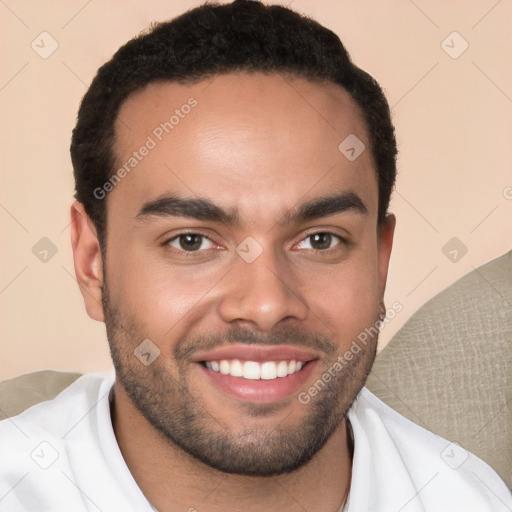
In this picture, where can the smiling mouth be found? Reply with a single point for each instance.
(256, 373)
(254, 370)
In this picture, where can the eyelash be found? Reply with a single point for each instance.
(320, 252)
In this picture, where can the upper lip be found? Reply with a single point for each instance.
(258, 353)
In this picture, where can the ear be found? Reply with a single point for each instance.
(386, 231)
(87, 260)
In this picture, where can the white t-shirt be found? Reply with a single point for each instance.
(62, 456)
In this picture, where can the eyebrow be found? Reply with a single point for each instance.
(204, 209)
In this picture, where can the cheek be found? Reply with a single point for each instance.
(345, 299)
(160, 295)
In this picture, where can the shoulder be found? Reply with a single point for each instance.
(407, 458)
(34, 444)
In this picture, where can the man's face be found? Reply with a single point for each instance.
(224, 295)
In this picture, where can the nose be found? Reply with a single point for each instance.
(262, 294)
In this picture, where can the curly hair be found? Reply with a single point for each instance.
(212, 39)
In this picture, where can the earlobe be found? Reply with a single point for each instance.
(87, 260)
(385, 244)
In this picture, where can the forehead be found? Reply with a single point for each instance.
(247, 140)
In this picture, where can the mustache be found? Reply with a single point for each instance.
(293, 336)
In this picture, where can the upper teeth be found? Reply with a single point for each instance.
(253, 370)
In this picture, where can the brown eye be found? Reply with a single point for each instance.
(189, 242)
(320, 241)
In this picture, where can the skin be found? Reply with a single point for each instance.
(260, 144)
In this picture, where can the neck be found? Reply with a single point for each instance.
(173, 480)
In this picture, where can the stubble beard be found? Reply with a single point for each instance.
(183, 419)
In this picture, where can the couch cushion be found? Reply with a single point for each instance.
(22, 392)
(449, 367)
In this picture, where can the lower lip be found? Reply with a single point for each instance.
(260, 390)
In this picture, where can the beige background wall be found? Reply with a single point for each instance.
(453, 119)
